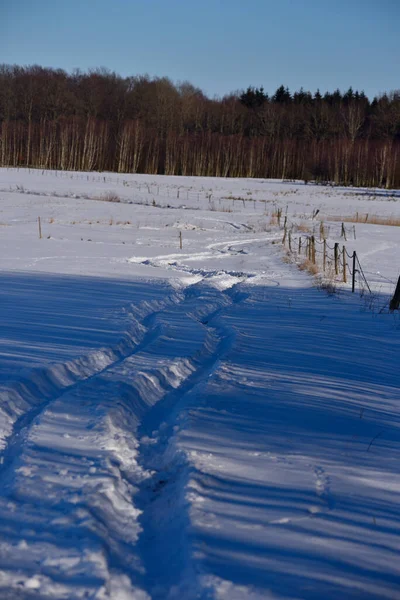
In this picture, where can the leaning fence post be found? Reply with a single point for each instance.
(344, 265)
(40, 228)
(324, 254)
(343, 235)
(290, 241)
(284, 236)
(353, 281)
(395, 301)
(337, 258)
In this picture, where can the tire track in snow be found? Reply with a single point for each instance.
(72, 478)
(164, 544)
(43, 386)
(167, 262)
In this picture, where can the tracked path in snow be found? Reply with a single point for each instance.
(25, 398)
(75, 480)
(163, 543)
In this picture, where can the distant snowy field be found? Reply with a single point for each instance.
(109, 238)
(196, 422)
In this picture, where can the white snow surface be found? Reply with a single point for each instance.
(204, 422)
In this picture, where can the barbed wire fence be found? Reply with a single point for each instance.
(320, 256)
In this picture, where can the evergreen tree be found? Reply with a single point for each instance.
(282, 95)
(253, 97)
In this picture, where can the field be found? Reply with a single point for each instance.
(186, 411)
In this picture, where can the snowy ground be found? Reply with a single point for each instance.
(202, 422)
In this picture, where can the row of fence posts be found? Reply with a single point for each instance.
(339, 256)
(307, 245)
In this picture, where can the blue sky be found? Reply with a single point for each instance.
(218, 45)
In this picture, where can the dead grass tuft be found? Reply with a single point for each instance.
(308, 265)
(304, 228)
(110, 197)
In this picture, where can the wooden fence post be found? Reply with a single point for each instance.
(40, 228)
(313, 249)
(324, 254)
(344, 265)
(336, 258)
(290, 241)
(343, 234)
(395, 301)
(180, 240)
(299, 246)
(353, 281)
(284, 235)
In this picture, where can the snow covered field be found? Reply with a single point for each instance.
(203, 422)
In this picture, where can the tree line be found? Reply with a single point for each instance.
(98, 120)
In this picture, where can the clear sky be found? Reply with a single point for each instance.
(218, 45)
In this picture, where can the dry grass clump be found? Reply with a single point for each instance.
(324, 281)
(110, 197)
(328, 286)
(303, 227)
(309, 266)
(287, 258)
(366, 218)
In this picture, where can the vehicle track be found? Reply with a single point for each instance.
(42, 386)
(72, 471)
(164, 544)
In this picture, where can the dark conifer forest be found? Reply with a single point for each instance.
(98, 120)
